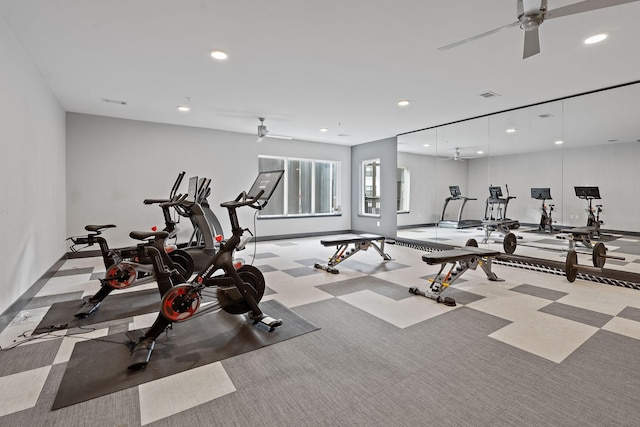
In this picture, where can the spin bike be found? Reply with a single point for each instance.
(124, 266)
(593, 213)
(546, 219)
(236, 292)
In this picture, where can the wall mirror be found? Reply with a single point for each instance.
(537, 155)
(371, 189)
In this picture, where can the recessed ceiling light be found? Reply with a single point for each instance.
(427, 145)
(183, 108)
(595, 39)
(480, 152)
(218, 54)
(511, 130)
(323, 129)
(403, 102)
(558, 142)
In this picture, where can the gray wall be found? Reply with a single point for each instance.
(430, 180)
(386, 151)
(32, 200)
(612, 167)
(114, 164)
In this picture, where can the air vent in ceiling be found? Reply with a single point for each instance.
(114, 101)
(489, 94)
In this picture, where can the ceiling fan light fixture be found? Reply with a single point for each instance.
(595, 39)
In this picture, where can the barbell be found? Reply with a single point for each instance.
(598, 256)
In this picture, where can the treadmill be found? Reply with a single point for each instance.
(459, 222)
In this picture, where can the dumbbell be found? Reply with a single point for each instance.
(599, 257)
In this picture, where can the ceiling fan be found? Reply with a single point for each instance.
(535, 13)
(457, 156)
(263, 132)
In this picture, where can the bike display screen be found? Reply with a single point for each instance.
(266, 181)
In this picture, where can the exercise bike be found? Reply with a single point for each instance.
(593, 213)
(238, 291)
(126, 266)
(546, 220)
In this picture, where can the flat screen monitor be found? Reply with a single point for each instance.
(587, 192)
(455, 191)
(541, 193)
(495, 192)
(266, 181)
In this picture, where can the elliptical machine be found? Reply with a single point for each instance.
(496, 208)
(238, 291)
(546, 220)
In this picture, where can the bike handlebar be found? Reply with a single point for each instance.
(242, 200)
(175, 201)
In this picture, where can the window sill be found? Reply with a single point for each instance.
(300, 216)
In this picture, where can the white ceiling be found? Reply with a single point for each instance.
(305, 65)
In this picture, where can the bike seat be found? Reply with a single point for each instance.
(95, 228)
(144, 235)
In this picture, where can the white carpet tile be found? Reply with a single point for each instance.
(402, 313)
(66, 284)
(547, 336)
(161, 398)
(622, 326)
(22, 326)
(20, 391)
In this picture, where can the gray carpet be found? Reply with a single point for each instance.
(99, 367)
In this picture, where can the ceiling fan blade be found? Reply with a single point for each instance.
(488, 33)
(519, 9)
(531, 43)
(584, 6)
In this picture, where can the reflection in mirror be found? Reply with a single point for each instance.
(403, 190)
(526, 153)
(462, 149)
(602, 149)
(417, 153)
(371, 187)
(537, 155)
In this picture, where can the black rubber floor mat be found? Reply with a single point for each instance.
(99, 367)
(115, 306)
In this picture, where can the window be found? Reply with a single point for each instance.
(309, 187)
(403, 190)
(371, 187)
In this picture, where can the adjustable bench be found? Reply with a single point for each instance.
(582, 235)
(360, 243)
(462, 259)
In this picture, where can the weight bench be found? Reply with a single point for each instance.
(582, 235)
(462, 259)
(360, 243)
